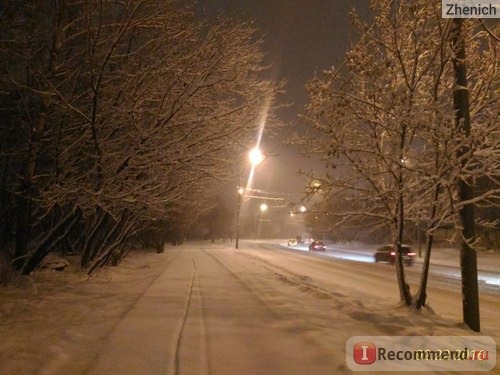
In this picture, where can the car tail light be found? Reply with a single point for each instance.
(412, 254)
(393, 253)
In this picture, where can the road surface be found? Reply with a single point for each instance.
(444, 262)
(261, 310)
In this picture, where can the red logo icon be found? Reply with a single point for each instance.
(365, 353)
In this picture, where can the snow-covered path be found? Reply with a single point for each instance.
(202, 316)
(209, 309)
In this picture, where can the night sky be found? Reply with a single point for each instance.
(301, 39)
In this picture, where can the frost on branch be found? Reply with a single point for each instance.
(386, 121)
(122, 116)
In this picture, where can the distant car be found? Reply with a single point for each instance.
(387, 253)
(292, 242)
(317, 246)
(300, 239)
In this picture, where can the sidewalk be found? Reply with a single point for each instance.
(146, 338)
(199, 317)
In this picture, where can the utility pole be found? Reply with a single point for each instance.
(241, 191)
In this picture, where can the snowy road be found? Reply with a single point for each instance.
(444, 262)
(209, 309)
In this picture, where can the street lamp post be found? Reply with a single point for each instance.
(258, 222)
(241, 191)
(256, 157)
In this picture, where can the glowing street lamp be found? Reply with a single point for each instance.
(315, 185)
(255, 156)
(303, 209)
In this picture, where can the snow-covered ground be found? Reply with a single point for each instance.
(210, 309)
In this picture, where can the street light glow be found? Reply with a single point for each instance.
(255, 156)
(303, 209)
(315, 185)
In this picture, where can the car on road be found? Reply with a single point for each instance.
(317, 246)
(292, 242)
(300, 239)
(387, 253)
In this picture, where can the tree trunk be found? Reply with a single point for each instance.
(468, 259)
(21, 232)
(421, 296)
(114, 235)
(50, 240)
(5, 206)
(107, 253)
(99, 222)
(101, 245)
(404, 288)
(23, 221)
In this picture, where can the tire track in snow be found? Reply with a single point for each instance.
(183, 322)
(295, 279)
(198, 328)
(204, 344)
(244, 284)
(169, 263)
(237, 312)
(129, 309)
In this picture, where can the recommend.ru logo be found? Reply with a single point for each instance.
(421, 353)
(365, 353)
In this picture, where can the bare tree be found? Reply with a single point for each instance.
(384, 122)
(128, 109)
